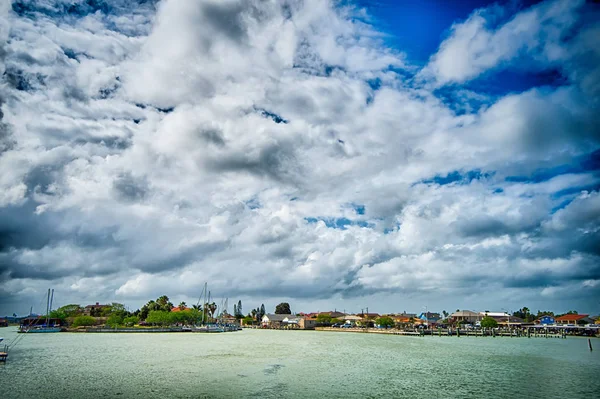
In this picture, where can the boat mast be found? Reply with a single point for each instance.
(204, 304)
(50, 308)
(47, 306)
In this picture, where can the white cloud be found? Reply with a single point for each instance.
(475, 46)
(107, 197)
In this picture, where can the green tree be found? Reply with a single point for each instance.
(489, 322)
(182, 305)
(248, 320)
(544, 313)
(323, 319)
(71, 310)
(114, 320)
(159, 317)
(445, 314)
(131, 321)
(262, 312)
(58, 314)
(385, 322)
(84, 321)
(238, 309)
(164, 303)
(283, 308)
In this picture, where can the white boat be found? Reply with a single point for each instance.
(210, 329)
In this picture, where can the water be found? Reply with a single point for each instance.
(296, 364)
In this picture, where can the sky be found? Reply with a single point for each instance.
(331, 154)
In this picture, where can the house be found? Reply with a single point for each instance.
(352, 319)
(466, 315)
(508, 320)
(272, 320)
(94, 310)
(429, 317)
(307, 323)
(228, 319)
(334, 315)
(494, 314)
(574, 319)
(545, 320)
(3, 323)
(178, 309)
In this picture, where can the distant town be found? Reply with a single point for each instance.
(162, 313)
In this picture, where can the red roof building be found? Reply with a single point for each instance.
(570, 318)
(178, 309)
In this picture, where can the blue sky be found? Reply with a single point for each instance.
(389, 154)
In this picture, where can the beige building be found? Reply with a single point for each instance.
(467, 316)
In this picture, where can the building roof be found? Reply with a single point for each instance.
(465, 313)
(494, 314)
(178, 309)
(571, 317)
(277, 317)
(369, 315)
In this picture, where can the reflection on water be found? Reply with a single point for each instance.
(264, 363)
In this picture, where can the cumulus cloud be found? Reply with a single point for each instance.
(282, 150)
(477, 45)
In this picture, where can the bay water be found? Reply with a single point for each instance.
(296, 364)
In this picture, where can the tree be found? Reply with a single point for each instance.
(240, 312)
(322, 318)
(131, 321)
(445, 314)
(212, 308)
(182, 305)
(488, 322)
(159, 317)
(114, 320)
(247, 320)
(262, 312)
(71, 310)
(164, 303)
(544, 313)
(283, 308)
(385, 322)
(84, 321)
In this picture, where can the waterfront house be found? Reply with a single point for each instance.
(179, 309)
(508, 320)
(467, 315)
(94, 310)
(429, 317)
(573, 319)
(352, 319)
(307, 323)
(3, 323)
(334, 315)
(545, 320)
(272, 320)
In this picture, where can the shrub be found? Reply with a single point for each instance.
(84, 321)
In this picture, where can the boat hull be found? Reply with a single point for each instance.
(42, 330)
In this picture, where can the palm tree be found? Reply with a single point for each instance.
(182, 305)
(212, 308)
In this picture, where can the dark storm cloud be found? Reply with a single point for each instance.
(227, 18)
(277, 161)
(130, 188)
(213, 136)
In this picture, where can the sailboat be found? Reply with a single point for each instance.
(46, 327)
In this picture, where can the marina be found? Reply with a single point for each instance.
(274, 363)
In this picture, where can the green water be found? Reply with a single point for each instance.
(296, 364)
